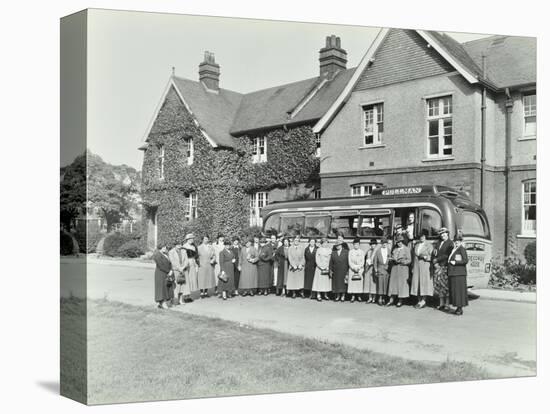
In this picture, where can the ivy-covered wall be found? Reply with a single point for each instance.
(222, 178)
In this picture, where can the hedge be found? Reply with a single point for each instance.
(68, 244)
(132, 248)
(114, 241)
(530, 253)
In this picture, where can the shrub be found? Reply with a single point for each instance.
(530, 253)
(92, 242)
(68, 244)
(114, 241)
(250, 231)
(511, 272)
(132, 248)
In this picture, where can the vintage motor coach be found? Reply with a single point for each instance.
(376, 215)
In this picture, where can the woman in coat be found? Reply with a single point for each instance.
(381, 269)
(339, 268)
(296, 263)
(281, 258)
(162, 271)
(400, 261)
(265, 267)
(458, 289)
(226, 279)
(422, 283)
(236, 249)
(369, 281)
(440, 262)
(192, 271)
(356, 259)
(207, 261)
(321, 280)
(309, 268)
(248, 281)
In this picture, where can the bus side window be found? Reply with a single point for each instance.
(430, 220)
(344, 223)
(271, 225)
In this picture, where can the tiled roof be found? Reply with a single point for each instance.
(510, 60)
(214, 111)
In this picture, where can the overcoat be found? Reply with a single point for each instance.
(401, 260)
(421, 281)
(441, 257)
(237, 254)
(458, 289)
(249, 269)
(180, 264)
(218, 247)
(356, 259)
(281, 258)
(163, 267)
(207, 260)
(381, 269)
(309, 268)
(369, 282)
(191, 273)
(265, 266)
(338, 268)
(296, 262)
(321, 280)
(228, 269)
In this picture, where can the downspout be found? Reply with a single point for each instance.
(507, 165)
(483, 132)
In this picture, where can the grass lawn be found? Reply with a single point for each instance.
(143, 354)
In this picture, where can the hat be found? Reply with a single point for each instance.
(263, 240)
(443, 230)
(384, 240)
(323, 240)
(399, 239)
(458, 237)
(338, 242)
(356, 240)
(373, 241)
(189, 236)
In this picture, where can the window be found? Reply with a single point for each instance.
(430, 220)
(440, 127)
(359, 190)
(373, 118)
(161, 162)
(191, 211)
(292, 225)
(471, 223)
(375, 223)
(259, 153)
(257, 201)
(529, 218)
(272, 224)
(189, 150)
(317, 226)
(345, 223)
(317, 193)
(530, 114)
(317, 145)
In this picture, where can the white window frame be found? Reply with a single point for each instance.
(444, 113)
(191, 200)
(259, 150)
(257, 202)
(529, 110)
(527, 229)
(318, 145)
(377, 121)
(161, 161)
(189, 150)
(362, 190)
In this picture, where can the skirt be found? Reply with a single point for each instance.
(441, 283)
(321, 283)
(193, 277)
(369, 282)
(398, 282)
(382, 282)
(458, 291)
(206, 277)
(295, 280)
(421, 282)
(355, 286)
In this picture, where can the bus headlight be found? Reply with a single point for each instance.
(487, 267)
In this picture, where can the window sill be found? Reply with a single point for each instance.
(527, 138)
(449, 158)
(526, 236)
(372, 146)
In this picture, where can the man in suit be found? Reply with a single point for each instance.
(381, 269)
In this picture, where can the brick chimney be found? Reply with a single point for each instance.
(209, 72)
(332, 57)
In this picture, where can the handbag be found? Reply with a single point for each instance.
(222, 277)
(170, 279)
(355, 276)
(181, 279)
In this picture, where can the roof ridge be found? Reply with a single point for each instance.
(482, 39)
(199, 82)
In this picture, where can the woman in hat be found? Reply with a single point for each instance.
(321, 281)
(400, 261)
(281, 258)
(338, 270)
(191, 274)
(440, 261)
(207, 262)
(296, 263)
(249, 270)
(458, 289)
(226, 278)
(421, 282)
(369, 282)
(381, 265)
(309, 267)
(163, 276)
(264, 267)
(356, 259)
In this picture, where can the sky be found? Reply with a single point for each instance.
(131, 55)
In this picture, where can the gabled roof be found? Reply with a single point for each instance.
(510, 60)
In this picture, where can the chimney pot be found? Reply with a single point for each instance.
(332, 58)
(209, 72)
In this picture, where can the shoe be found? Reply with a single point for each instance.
(359, 299)
(342, 298)
(319, 299)
(420, 305)
(458, 311)
(352, 299)
(293, 295)
(389, 303)
(399, 304)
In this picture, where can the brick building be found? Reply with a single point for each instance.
(421, 108)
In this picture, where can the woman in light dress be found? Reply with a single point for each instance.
(400, 262)
(369, 282)
(248, 281)
(356, 272)
(207, 261)
(321, 281)
(422, 284)
(192, 272)
(296, 263)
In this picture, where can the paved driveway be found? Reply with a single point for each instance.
(497, 335)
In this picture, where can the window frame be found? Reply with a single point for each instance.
(161, 161)
(191, 202)
(532, 113)
(377, 124)
(318, 145)
(255, 210)
(362, 189)
(259, 143)
(441, 117)
(524, 231)
(189, 150)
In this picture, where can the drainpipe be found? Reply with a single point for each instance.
(507, 166)
(483, 122)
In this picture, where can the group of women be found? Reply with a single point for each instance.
(387, 273)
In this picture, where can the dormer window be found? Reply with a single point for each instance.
(161, 162)
(259, 153)
(189, 150)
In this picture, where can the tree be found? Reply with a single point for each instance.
(72, 200)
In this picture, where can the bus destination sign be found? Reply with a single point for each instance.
(402, 191)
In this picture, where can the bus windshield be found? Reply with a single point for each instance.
(471, 223)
